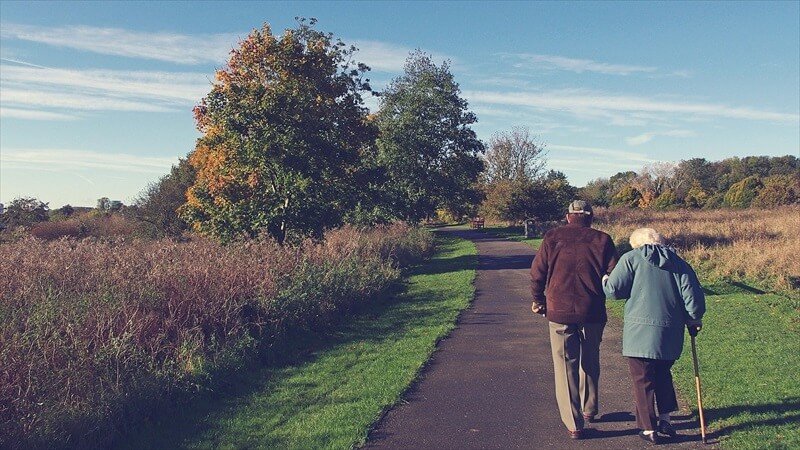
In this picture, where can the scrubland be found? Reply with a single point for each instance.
(95, 332)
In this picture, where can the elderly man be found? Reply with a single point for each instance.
(567, 289)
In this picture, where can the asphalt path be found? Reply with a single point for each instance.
(489, 385)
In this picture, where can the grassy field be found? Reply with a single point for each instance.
(337, 384)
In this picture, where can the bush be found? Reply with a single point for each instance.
(778, 190)
(97, 332)
(742, 193)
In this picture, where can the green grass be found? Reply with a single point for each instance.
(339, 383)
(749, 356)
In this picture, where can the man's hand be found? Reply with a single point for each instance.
(693, 326)
(539, 308)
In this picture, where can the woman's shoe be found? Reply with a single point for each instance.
(665, 427)
(651, 438)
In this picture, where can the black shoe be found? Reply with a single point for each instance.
(665, 427)
(651, 438)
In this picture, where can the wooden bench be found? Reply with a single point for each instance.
(476, 223)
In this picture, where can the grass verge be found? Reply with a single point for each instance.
(748, 354)
(336, 384)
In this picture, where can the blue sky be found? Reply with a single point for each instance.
(96, 97)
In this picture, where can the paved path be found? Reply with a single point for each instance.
(490, 383)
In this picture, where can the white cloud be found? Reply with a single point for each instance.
(647, 137)
(551, 62)
(581, 103)
(183, 87)
(26, 114)
(68, 159)
(168, 47)
(87, 102)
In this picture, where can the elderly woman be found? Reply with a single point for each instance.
(663, 295)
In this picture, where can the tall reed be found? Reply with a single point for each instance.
(94, 332)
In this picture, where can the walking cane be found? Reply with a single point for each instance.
(697, 383)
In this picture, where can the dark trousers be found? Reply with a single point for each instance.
(652, 384)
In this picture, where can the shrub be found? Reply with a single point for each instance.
(778, 190)
(742, 193)
(628, 196)
(96, 332)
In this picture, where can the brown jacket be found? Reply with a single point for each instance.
(567, 271)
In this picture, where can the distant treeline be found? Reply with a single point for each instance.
(757, 181)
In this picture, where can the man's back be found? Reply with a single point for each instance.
(567, 273)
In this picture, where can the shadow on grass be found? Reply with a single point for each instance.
(386, 318)
(730, 287)
(772, 414)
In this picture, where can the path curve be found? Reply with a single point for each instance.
(489, 385)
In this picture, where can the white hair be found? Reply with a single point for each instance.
(643, 236)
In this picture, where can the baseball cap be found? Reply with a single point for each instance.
(579, 207)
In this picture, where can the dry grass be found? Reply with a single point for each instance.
(751, 245)
(93, 332)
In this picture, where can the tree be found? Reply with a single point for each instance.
(103, 205)
(542, 199)
(628, 196)
(779, 190)
(696, 196)
(666, 200)
(158, 204)
(597, 192)
(513, 160)
(426, 146)
(284, 128)
(742, 193)
(24, 212)
(514, 156)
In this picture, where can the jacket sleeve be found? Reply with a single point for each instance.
(694, 298)
(619, 282)
(611, 255)
(539, 270)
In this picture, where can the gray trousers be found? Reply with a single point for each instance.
(576, 364)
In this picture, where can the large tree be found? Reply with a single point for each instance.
(284, 128)
(514, 160)
(430, 154)
(514, 156)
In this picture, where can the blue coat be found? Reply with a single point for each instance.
(662, 293)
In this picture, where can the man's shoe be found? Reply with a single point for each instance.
(589, 418)
(651, 438)
(577, 434)
(665, 427)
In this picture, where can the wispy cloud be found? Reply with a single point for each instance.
(167, 86)
(40, 93)
(552, 62)
(590, 104)
(168, 47)
(573, 159)
(83, 101)
(68, 159)
(647, 137)
(27, 114)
